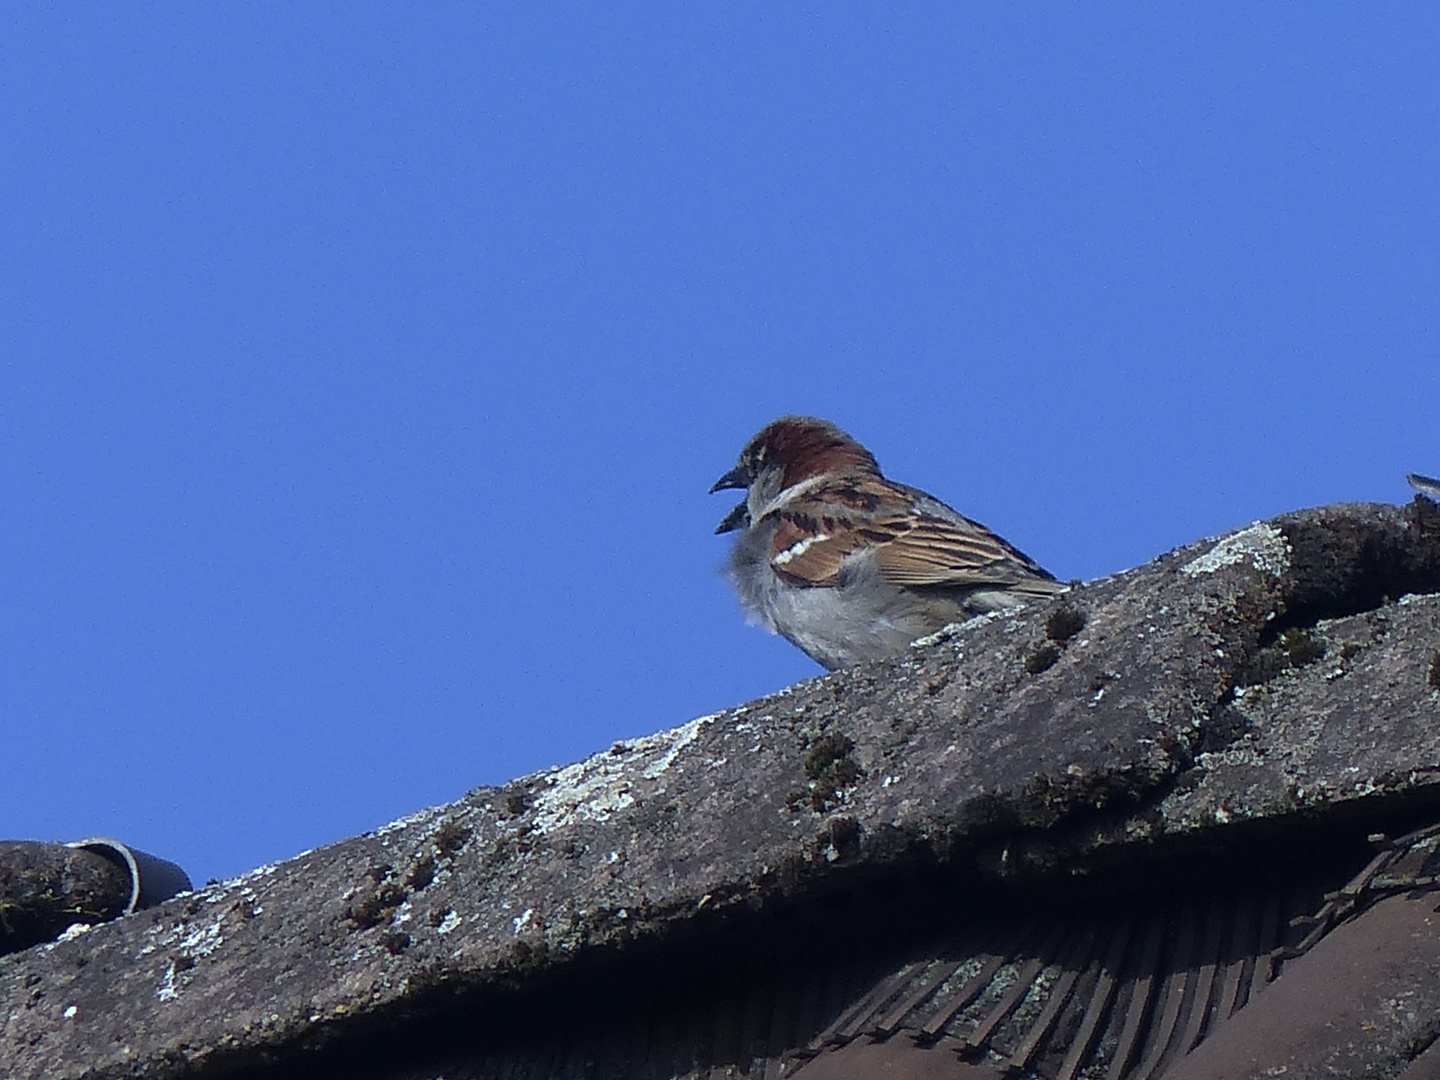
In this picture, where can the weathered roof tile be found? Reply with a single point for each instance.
(1135, 710)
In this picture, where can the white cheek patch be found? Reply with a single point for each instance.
(795, 550)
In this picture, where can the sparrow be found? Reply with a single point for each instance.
(1424, 484)
(849, 566)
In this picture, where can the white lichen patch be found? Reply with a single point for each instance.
(189, 943)
(679, 738)
(246, 878)
(602, 785)
(408, 820)
(1262, 545)
(1417, 598)
(203, 940)
(186, 941)
(945, 633)
(448, 923)
(167, 991)
(950, 631)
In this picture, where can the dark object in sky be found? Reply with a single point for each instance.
(1424, 484)
(1187, 839)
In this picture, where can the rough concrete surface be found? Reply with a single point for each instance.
(1289, 670)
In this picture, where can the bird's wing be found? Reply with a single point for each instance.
(916, 539)
(945, 548)
(809, 544)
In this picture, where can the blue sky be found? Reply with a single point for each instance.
(363, 368)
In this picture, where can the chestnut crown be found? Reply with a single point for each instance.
(800, 447)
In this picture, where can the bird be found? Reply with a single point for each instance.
(850, 566)
(1424, 484)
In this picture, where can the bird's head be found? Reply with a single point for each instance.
(784, 453)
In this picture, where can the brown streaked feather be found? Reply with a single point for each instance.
(938, 552)
(913, 546)
(814, 563)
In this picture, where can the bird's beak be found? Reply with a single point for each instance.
(738, 477)
(735, 519)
